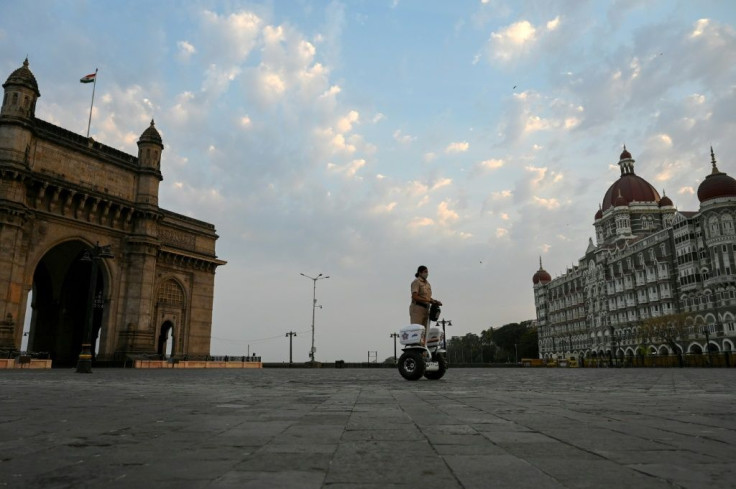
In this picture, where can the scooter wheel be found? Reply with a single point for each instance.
(436, 375)
(411, 365)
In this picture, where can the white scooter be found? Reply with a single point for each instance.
(423, 356)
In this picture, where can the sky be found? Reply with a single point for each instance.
(361, 139)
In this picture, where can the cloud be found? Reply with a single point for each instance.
(349, 170)
(345, 124)
(403, 138)
(550, 204)
(518, 39)
(442, 182)
(445, 215)
(232, 36)
(457, 147)
(418, 223)
(491, 164)
(186, 50)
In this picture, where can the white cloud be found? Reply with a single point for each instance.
(491, 164)
(349, 170)
(502, 195)
(445, 215)
(518, 39)
(550, 204)
(442, 182)
(345, 124)
(233, 36)
(186, 50)
(457, 147)
(403, 138)
(419, 222)
(700, 27)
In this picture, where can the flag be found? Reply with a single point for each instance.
(88, 78)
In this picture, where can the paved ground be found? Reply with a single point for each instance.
(368, 428)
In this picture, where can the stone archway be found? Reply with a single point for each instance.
(60, 290)
(166, 341)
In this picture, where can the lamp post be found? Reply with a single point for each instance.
(84, 363)
(314, 306)
(394, 336)
(612, 359)
(290, 335)
(707, 343)
(444, 335)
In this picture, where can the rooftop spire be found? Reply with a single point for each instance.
(713, 162)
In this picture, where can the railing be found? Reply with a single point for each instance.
(38, 355)
(714, 359)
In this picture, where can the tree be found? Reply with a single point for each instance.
(667, 329)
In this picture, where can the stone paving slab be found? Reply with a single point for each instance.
(368, 429)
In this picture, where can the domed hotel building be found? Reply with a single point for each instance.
(657, 281)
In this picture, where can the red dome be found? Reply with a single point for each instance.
(631, 188)
(541, 277)
(665, 202)
(625, 155)
(599, 214)
(716, 184)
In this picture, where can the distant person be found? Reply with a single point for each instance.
(421, 298)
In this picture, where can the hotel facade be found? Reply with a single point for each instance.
(657, 280)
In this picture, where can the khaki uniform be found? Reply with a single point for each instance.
(419, 314)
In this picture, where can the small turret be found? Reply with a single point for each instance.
(21, 93)
(150, 147)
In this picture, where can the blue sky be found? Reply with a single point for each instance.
(361, 139)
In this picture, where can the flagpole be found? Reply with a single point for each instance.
(94, 85)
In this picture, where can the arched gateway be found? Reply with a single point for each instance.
(64, 197)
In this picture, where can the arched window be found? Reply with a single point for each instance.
(727, 224)
(714, 230)
(171, 293)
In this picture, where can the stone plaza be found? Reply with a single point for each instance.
(368, 428)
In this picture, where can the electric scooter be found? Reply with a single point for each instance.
(424, 354)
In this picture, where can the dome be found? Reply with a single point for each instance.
(620, 201)
(629, 188)
(599, 214)
(23, 76)
(541, 275)
(625, 155)
(151, 135)
(665, 201)
(716, 184)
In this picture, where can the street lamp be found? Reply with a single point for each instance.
(290, 335)
(444, 335)
(707, 343)
(613, 358)
(314, 306)
(84, 363)
(394, 336)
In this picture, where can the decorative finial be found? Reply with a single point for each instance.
(713, 160)
(152, 124)
(540, 262)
